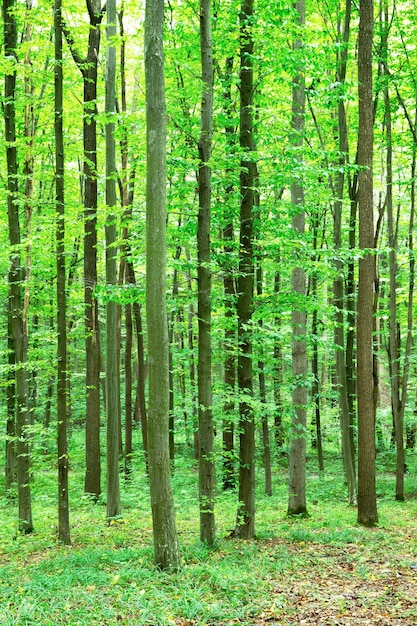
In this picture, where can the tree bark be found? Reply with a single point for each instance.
(17, 328)
(205, 417)
(338, 283)
(112, 317)
(245, 523)
(166, 551)
(63, 508)
(297, 461)
(367, 505)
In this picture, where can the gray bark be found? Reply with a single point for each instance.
(162, 500)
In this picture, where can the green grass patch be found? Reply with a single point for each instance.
(290, 572)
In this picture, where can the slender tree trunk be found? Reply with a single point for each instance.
(266, 445)
(10, 464)
(367, 506)
(229, 367)
(245, 523)
(112, 317)
(190, 332)
(92, 482)
(338, 283)
(162, 500)
(278, 374)
(205, 418)
(297, 461)
(63, 509)
(88, 68)
(18, 331)
(315, 386)
(229, 302)
(171, 324)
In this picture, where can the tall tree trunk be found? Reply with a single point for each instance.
(18, 329)
(245, 523)
(229, 301)
(162, 500)
(367, 506)
(205, 418)
(266, 445)
(297, 461)
(338, 283)
(112, 317)
(63, 510)
(88, 67)
(92, 481)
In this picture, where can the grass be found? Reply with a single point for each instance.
(320, 570)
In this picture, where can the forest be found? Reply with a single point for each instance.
(208, 277)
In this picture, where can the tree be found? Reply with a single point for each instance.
(245, 523)
(163, 514)
(367, 506)
(205, 419)
(63, 510)
(17, 322)
(112, 318)
(338, 282)
(88, 67)
(297, 461)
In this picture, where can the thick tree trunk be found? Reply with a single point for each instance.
(162, 500)
(297, 461)
(367, 506)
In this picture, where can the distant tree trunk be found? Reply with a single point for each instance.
(297, 461)
(245, 523)
(190, 332)
(411, 429)
(229, 367)
(63, 510)
(10, 464)
(315, 386)
(394, 336)
(278, 374)
(229, 303)
(205, 417)
(162, 500)
(266, 444)
(112, 317)
(367, 506)
(171, 324)
(18, 339)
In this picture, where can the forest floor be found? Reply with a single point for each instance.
(321, 570)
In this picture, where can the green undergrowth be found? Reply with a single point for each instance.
(107, 575)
